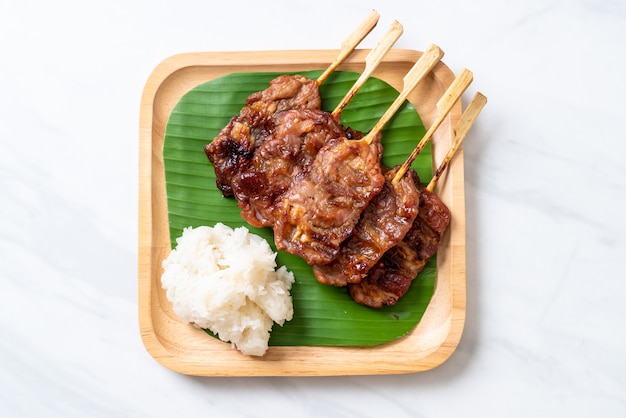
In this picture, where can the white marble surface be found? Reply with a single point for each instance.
(545, 186)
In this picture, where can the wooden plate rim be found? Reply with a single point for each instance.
(187, 350)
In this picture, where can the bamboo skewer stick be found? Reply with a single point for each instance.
(444, 105)
(351, 42)
(465, 123)
(372, 60)
(422, 67)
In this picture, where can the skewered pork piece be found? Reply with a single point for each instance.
(287, 153)
(232, 149)
(390, 214)
(320, 210)
(295, 137)
(384, 223)
(391, 277)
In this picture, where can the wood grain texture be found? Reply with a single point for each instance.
(185, 349)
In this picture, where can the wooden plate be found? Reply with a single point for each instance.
(185, 349)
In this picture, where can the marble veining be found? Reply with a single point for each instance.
(545, 197)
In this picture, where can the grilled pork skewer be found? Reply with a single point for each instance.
(321, 208)
(232, 149)
(288, 150)
(391, 278)
(390, 214)
(384, 223)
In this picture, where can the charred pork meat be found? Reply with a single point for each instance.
(321, 208)
(232, 149)
(285, 155)
(384, 223)
(391, 277)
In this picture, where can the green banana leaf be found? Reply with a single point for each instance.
(323, 315)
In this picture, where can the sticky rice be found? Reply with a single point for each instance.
(225, 280)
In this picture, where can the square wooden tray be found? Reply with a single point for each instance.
(185, 349)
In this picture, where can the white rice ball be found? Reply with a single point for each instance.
(225, 280)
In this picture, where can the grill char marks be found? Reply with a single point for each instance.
(231, 151)
(320, 210)
(391, 277)
(285, 155)
(383, 224)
